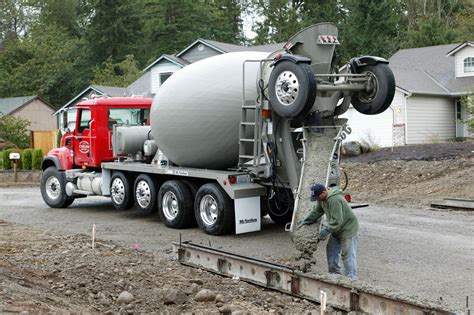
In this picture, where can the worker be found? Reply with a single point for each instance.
(342, 225)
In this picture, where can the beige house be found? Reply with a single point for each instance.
(43, 125)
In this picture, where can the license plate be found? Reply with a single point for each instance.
(243, 179)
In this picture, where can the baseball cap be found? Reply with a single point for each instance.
(316, 190)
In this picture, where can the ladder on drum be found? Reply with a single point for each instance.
(250, 146)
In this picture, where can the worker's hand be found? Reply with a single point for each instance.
(305, 221)
(323, 233)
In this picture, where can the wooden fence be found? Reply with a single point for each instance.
(45, 140)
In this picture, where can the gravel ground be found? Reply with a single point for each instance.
(44, 272)
(415, 251)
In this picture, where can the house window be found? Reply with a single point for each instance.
(469, 64)
(164, 76)
(458, 110)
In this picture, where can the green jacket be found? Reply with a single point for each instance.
(342, 221)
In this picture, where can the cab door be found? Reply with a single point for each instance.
(83, 137)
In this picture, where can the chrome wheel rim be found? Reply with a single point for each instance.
(143, 194)
(287, 88)
(170, 205)
(118, 191)
(208, 210)
(53, 187)
(373, 88)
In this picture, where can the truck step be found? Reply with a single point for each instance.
(247, 123)
(246, 156)
(249, 107)
(83, 192)
(247, 140)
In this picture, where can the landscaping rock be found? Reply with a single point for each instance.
(174, 296)
(205, 295)
(125, 298)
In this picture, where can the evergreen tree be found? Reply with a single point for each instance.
(114, 31)
(371, 27)
(119, 74)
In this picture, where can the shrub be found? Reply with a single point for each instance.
(37, 159)
(7, 163)
(1, 159)
(27, 158)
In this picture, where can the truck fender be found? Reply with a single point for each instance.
(292, 58)
(51, 160)
(357, 62)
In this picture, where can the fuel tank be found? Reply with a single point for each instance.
(195, 115)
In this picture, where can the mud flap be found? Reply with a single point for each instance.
(247, 214)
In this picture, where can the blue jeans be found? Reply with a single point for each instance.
(346, 248)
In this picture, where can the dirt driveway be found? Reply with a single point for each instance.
(415, 251)
(47, 264)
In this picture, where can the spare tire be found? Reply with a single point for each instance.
(381, 95)
(292, 89)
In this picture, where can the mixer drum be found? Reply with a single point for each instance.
(195, 116)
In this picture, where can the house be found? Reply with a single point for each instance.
(155, 74)
(430, 82)
(39, 113)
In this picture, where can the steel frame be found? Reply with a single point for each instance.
(341, 296)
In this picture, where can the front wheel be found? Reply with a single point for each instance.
(214, 210)
(53, 184)
(381, 90)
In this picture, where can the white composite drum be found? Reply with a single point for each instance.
(196, 113)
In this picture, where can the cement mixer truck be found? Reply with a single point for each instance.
(226, 140)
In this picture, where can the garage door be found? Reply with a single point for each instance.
(430, 119)
(374, 129)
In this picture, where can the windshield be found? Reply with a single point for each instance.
(129, 116)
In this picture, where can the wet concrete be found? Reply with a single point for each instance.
(319, 146)
(414, 251)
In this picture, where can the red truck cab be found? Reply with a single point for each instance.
(87, 130)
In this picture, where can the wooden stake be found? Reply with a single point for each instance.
(323, 300)
(93, 236)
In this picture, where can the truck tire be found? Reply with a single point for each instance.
(214, 210)
(292, 89)
(121, 192)
(145, 194)
(377, 101)
(280, 208)
(175, 205)
(53, 188)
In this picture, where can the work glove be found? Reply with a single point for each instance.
(306, 221)
(323, 233)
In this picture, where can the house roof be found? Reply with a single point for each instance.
(11, 104)
(429, 70)
(458, 48)
(111, 91)
(171, 58)
(226, 47)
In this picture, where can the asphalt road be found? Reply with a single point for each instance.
(415, 251)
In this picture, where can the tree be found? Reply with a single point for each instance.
(47, 62)
(14, 130)
(119, 74)
(371, 27)
(282, 19)
(437, 22)
(114, 30)
(14, 21)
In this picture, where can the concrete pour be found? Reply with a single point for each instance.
(319, 146)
